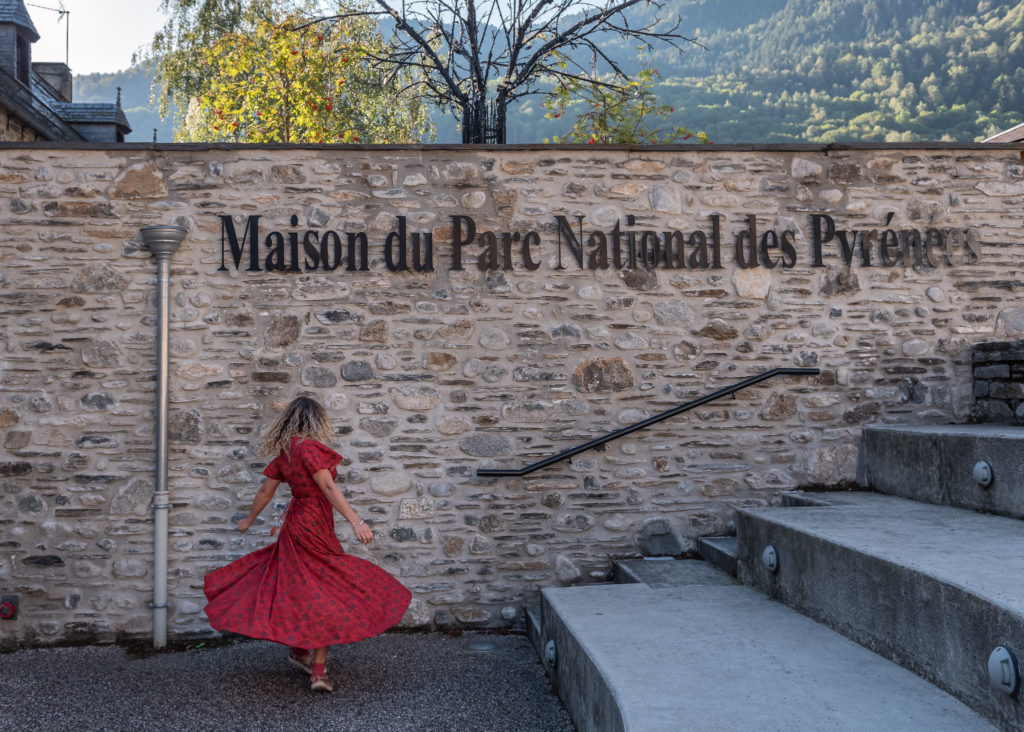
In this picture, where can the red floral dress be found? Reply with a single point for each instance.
(304, 590)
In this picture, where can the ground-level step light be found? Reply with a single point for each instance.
(551, 653)
(982, 474)
(1003, 669)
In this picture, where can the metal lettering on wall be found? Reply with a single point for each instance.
(581, 247)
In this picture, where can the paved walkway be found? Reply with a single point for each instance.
(423, 682)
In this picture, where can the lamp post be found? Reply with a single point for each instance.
(163, 241)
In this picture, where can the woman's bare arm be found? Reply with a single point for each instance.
(259, 502)
(325, 480)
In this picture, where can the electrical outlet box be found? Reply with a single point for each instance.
(9, 607)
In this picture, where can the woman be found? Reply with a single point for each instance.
(303, 590)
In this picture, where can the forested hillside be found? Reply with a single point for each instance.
(827, 70)
(800, 71)
(135, 86)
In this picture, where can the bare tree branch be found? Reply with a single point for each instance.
(458, 47)
(444, 70)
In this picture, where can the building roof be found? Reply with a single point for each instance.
(31, 105)
(54, 117)
(14, 11)
(44, 108)
(1014, 134)
(92, 113)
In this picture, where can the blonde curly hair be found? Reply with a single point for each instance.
(303, 417)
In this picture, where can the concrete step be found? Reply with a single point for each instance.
(935, 465)
(934, 588)
(791, 499)
(695, 650)
(533, 625)
(720, 552)
(668, 572)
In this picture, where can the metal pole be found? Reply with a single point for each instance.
(163, 241)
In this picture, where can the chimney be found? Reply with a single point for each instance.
(57, 76)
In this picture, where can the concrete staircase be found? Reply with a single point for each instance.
(869, 611)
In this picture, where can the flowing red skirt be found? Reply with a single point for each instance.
(304, 590)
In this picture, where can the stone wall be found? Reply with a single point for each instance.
(999, 382)
(14, 129)
(512, 351)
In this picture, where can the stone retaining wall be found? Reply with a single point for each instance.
(492, 354)
(999, 382)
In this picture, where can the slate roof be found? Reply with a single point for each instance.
(53, 117)
(14, 11)
(31, 105)
(41, 106)
(1014, 134)
(92, 113)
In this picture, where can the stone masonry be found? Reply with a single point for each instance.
(12, 129)
(880, 266)
(999, 382)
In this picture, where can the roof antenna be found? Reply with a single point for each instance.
(64, 12)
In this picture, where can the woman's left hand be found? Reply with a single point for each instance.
(363, 533)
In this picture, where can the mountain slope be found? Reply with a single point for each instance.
(135, 84)
(788, 71)
(827, 70)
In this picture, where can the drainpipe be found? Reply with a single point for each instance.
(163, 241)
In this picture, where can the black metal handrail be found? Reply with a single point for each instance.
(565, 454)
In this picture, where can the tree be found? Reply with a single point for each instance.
(617, 114)
(252, 70)
(475, 57)
(278, 84)
(179, 74)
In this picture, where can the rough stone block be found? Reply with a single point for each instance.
(657, 539)
(997, 371)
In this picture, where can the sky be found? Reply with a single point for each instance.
(98, 35)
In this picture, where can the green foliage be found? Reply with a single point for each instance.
(275, 83)
(175, 55)
(773, 71)
(615, 113)
(868, 70)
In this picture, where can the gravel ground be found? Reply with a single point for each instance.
(392, 682)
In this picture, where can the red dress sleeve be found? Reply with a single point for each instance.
(316, 456)
(274, 471)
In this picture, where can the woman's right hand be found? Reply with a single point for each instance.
(363, 533)
(244, 524)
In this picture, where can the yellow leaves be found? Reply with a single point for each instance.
(276, 84)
